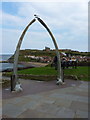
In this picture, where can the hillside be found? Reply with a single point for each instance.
(34, 55)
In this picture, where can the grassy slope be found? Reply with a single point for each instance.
(80, 72)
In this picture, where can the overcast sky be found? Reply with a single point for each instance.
(68, 22)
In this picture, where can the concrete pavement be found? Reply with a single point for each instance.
(46, 100)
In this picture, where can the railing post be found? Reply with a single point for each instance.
(13, 82)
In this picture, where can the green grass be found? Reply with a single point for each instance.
(39, 71)
(80, 72)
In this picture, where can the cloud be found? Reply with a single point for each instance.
(9, 21)
(10, 18)
(45, 0)
(34, 40)
(0, 17)
(38, 40)
(67, 21)
(58, 15)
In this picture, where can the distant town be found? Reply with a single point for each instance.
(46, 55)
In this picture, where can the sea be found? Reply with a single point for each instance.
(4, 66)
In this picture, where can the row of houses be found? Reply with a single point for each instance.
(44, 59)
(47, 59)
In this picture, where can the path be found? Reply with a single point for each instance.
(46, 100)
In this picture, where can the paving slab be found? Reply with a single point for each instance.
(12, 110)
(49, 101)
(76, 105)
(65, 113)
(62, 102)
(35, 114)
(64, 96)
(35, 87)
(48, 108)
(80, 114)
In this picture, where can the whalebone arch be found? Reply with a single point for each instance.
(16, 55)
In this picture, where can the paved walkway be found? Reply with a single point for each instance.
(47, 100)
